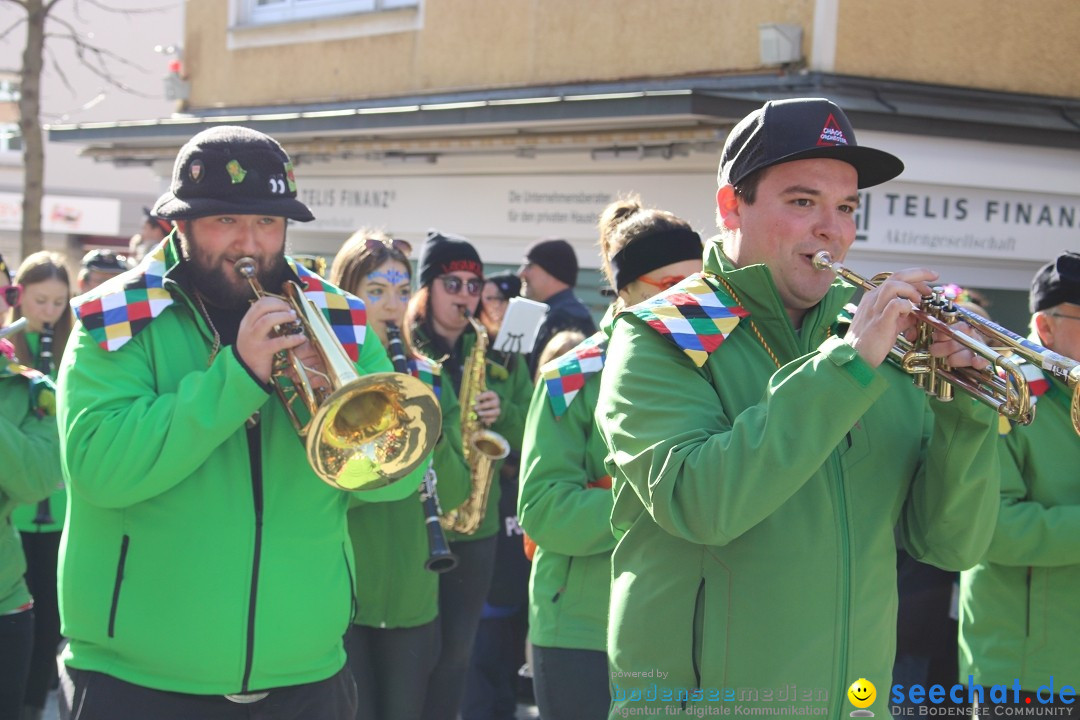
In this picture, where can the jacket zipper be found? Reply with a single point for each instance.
(353, 606)
(255, 459)
(116, 585)
(1027, 609)
(845, 571)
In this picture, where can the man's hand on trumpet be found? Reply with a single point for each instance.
(887, 311)
(257, 341)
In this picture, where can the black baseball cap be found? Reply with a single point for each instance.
(231, 170)
(104, 260)
(799, 129)
(1056, 282)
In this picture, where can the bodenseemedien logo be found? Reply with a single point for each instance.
(862, 694)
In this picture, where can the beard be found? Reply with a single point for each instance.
(218, 282)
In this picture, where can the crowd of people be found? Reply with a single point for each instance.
(706, 500)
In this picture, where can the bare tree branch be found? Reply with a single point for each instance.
(14, 26)
(58, 69)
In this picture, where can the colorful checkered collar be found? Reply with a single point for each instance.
(124, 306)
(427, 370)
(566, 375)
(696, 315)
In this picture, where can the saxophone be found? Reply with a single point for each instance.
(482, 447)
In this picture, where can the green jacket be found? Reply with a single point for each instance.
(569, 521)
(509, 379)
(184, 567)
(30, 457)
(393, 590)
(1018, 607)
(24, 515)
(755, 506)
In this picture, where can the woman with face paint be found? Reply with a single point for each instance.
(565, 496)
(451, 279)
(393, 643)
(46, 290)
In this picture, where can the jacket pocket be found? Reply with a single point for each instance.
(116, 584)
(698, 632)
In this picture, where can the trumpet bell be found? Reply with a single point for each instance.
(373, 431)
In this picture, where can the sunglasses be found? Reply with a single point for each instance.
(453, 284)
(663, 283)
(402, 246)
(12, 294)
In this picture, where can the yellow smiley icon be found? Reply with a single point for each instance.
(862, 693)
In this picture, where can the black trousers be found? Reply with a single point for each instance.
(571, 684)
(16, 645)
(391, 667)
(102, 697)
(41, 550)
(461, 602)
(492, 682)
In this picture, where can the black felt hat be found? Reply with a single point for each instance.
(231, 170)
(556, 256)
(1056, 282)
(799, 129)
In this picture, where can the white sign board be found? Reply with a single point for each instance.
(62, 214)
(919, 219)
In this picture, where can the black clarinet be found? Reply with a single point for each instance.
(440, 559)
(45, 367)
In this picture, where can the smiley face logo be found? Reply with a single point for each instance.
(862, 694)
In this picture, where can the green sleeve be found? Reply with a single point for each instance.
(29, 447)
(1029, 533)
(112, 416)
(514, 394)
(555, 506)
(949, 514)
(703, 475)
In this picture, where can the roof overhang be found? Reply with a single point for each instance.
(700, 109)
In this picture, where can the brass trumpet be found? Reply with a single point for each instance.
(361, 432)
(1001, 385)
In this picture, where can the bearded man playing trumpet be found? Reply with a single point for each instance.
(762, 453)
(206, 570)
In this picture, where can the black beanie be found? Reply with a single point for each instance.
(508, 283)
(444, 253)
(556, 257)
(1057, 282)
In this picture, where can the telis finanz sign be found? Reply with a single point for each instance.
(967, 222)
(898, 217)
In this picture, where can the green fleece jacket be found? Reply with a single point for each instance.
(190, 563)
(755, 506)
(390, 540)
(30, 457)
(567, 518)
(1018, 607)
(509, 379)
(24, 516)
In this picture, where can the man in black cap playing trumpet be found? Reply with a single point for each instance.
(206, 570)
(762, 454)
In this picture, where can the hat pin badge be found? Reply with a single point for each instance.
(195, 170)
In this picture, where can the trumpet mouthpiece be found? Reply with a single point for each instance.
(822, 260)
(246, 267)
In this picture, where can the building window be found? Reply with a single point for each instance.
(274, 11)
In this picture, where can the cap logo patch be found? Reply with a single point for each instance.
(195, 170)
(236, 173)
(831, 134)
(290, 177)
(277, 185)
